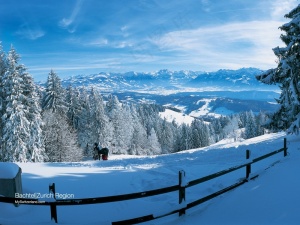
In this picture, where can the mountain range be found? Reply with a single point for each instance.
(193, 93)
(242, 79)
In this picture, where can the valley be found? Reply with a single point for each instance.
(197, 94)
(208, 102)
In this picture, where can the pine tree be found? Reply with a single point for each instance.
(100, 131)
(218, 131)
(287, 74)
(54, 96)
(261, 121)
(251, 128)
(139, 141)
(31, 104)
(16, 127)
(154, 145)
(122, 130)
(60, 137)
(167, 139)
(231, 129)
(3, 67)
(85, 124)
(73, 105)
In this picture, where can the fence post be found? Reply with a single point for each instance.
(285, 148)
(53, 210)
(248, 167)
(181, 190)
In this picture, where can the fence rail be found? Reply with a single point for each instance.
(181, 187)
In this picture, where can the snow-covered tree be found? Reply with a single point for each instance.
(231, 129)
(12, 110)
(251, 128)
(200, 130)
(139, 142)
(54, 96)
(100, 131)
(120, 121)
(33, 110)
(60, 137)
(85, 123)
(154, 145)
(167, 139)
(21, 134)
(73, 105)
(218, 130)
(3, 67)
(261, 120)
(287, 74)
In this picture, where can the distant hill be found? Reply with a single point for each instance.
(243, 79)
(193, 93)
(238, 79)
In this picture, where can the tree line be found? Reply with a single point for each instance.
(60, 124)
(56, 124)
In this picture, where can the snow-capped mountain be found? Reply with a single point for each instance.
(170, 80)
(243, 79)
(194, 93)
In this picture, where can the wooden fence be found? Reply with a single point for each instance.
(181, 188)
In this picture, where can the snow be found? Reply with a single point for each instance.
(271, 198)
(203, 110)
(8, 170)
(179, 118)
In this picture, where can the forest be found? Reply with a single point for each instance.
(57, 124)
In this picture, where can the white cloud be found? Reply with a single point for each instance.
(241, 44)
(30, 33)
(98, 42)
(67, 22)
(281, 7)
(103, 42)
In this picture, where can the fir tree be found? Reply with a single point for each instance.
(154, 145)
(16, 127)
(54, 96)
(32, 107)
(100, 131)
(261, 120)
(139, 141)
(287, 74)
(60, 137)
(167, 140)
(251, 128)
(3, 67)
(232, 127)
(73, 105)
(120, 122)
(85, 123)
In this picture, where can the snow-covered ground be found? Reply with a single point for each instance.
(205, 110)
(179, 118)
(272, 198)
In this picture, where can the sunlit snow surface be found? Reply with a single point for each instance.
(272, 198)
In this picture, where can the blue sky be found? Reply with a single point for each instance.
(91, 36)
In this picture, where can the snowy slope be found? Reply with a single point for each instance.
(269, 199)
(179, 118)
